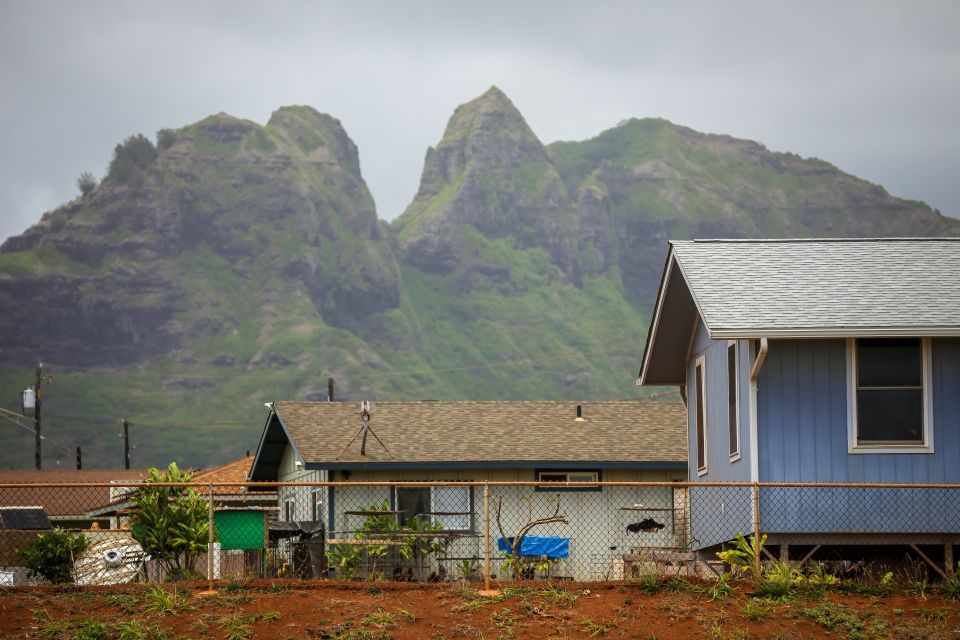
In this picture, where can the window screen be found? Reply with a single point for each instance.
(412, 501)
(889, 391)
(451, 506)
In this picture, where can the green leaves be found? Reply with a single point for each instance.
(170, 522)
(51, 555)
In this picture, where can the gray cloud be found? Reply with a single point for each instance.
(871, 87)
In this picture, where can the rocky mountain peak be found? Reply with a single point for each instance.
(318, 136)
(490, 173)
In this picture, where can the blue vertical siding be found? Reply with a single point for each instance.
(717, 512)
(802, 432)
(719, 466)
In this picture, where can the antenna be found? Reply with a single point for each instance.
(365, 428)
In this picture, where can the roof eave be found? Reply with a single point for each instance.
(496, 464)
(835, 332)
(662, 293)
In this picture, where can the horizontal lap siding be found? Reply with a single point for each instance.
(802, 409)
(597, 523)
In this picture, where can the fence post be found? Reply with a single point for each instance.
(756, 527)
(486, 539)
(210, 547)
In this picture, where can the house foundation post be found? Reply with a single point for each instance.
(948, 558)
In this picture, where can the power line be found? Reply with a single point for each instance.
(34, 431)
(513, 362)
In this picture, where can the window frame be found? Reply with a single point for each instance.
(700, 415)
(290, 509)
(733, 393)
(853, 439)
(318, 498)
(539, 473)
(471, 526)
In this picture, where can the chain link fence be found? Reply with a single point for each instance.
(98, 533)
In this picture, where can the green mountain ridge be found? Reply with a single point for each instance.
(236, 264)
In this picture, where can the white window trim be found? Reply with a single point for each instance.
(927, 445)
(701, 362)
(736, 455)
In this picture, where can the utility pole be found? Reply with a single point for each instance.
(126, 444)
(36, 417)
(79, 460)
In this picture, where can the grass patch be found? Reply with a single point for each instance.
(163, 602)
(594, 629)
(756, 610)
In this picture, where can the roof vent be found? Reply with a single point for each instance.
(579, 417)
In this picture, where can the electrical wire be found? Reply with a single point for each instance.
(42, 437)
(513, 362)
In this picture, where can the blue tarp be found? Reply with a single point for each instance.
(539, 546)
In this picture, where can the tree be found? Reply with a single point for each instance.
(170, 522)
(130, 157)
(51, 555)
(517, 560)
(166, 138)
(86, 182)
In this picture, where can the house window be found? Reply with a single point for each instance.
(289, 510)
(733, 410)
(568, 476)
(447, 506)
(888, 400)
(701, 415)
(316, 503)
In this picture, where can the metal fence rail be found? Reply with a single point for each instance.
(99, 533)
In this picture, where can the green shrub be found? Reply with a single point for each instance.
(51, 555)
(951, 587)
(130, 157)
(86, 182)
(166, 138)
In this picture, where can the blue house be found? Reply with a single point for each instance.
(816, 361)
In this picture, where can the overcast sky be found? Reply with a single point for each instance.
(873, 87)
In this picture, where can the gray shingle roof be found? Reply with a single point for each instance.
(468, 431)
(749, 288)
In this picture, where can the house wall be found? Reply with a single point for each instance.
(302, 497)
(802, 433)
(597, 524)
(719, 511)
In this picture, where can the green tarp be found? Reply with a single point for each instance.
(239, 529)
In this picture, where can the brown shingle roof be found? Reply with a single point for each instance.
(470, 431)
(61, 501)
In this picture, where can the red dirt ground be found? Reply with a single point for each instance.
(378, 611)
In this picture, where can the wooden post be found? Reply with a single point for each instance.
(756, 526)
(487, 591)
(948, 558)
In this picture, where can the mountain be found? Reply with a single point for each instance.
(232, 264)
(646, 181)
